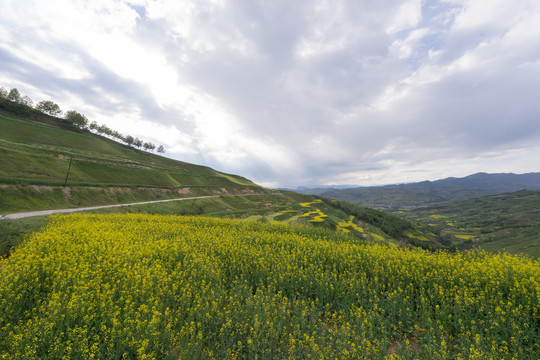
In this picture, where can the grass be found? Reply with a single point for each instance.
(37, 150)
(41, 150)
(508, 222)
(14, 232)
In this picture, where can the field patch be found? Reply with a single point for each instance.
(169, 287)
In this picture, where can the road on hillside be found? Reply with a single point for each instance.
(48, 212)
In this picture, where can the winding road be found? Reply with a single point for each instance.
(48, 212)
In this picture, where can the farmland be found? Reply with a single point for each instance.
(139, 286)
(508, 222)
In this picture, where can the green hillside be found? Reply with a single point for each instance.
(508, 222)
(38, 150)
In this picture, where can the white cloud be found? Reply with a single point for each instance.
(408, 15)
(289, 92)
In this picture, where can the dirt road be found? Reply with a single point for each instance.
(48, 212)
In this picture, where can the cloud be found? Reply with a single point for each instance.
(287, 93)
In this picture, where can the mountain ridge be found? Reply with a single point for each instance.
(428, 192)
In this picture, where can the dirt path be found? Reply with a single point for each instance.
(48, 212)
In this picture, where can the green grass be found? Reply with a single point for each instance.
(14, 232)
(41, 150)
(37, 150)
(508, 222)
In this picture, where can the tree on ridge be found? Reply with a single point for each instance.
(14, 95)
(77, 119)
(49, 107)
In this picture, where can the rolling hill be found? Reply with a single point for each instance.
(427, 193)
(509, 222)
(37, 151)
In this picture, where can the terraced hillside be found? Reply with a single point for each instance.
(37, 151)
(508, 222)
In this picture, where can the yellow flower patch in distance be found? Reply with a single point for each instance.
(377, 236)
(308, 204)
(419, 237)
(345, 224)
(465, 236)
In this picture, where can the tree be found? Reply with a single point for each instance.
(129, 140)
(14, 95)
(118, 136)
(104, 129)
(138, 142)
(3, 92)
(93, 126)
(77, 119)
(25, 100)
(149, 146)
(161, 149)
(48, 107)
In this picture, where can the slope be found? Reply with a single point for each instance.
(508, 222)
(37, 152)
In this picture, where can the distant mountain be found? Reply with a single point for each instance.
(427, 193)
(320, 189)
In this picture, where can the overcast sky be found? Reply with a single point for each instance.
(290, 93)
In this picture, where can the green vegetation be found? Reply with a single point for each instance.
(508, 222)
(426, 193)
(42, 152)
(169, 287)
(36, 151)
(14, 232)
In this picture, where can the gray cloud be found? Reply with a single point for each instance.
(292, 92)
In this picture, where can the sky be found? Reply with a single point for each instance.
(294, 93)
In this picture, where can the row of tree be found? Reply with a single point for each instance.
(77, 119)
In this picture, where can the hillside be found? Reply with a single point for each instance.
(508, 222)
(427, 193)
(37, 150)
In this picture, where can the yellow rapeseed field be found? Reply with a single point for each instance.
(170, 287)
